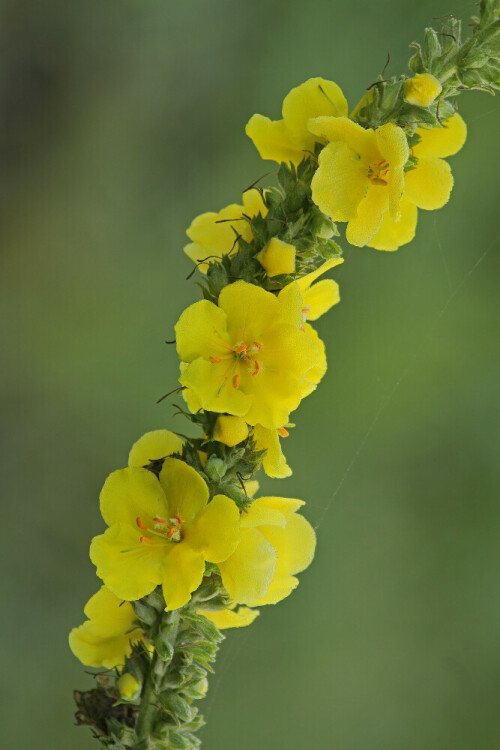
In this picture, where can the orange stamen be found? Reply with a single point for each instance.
(236, 381)
(241, 348)
(171, 532)
(215, 360)
(257, 345)
(257, 369)
(140, 524)
(178, 518)
(159, 519)
(283, 432)
(146, 539)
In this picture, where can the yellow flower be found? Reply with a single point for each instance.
(161, 531)
(246, 356)
(276, 543)
(128, 686)
(107, 637)
(422, 89)
(428, 185)
(274, 462)
(289, 139)
(230, 618)
(360, 174)
(230, 430)
(214, 234)
(154, 446)
(277, 257)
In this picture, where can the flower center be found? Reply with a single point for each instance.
(165, 528)
(377, 172)
(242, 354)
(246, 354)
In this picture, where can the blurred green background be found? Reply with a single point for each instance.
(119, 122)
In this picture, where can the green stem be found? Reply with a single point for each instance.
(147, 711)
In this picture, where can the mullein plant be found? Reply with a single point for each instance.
(190, 549)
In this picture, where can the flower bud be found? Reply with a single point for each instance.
(277, 257)
(230, 430)
(422, 89)
(128, 686)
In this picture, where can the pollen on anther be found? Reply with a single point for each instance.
(179, 519)
(146, 539)
(140, 523)
(215, 360)
(257, 345)
(236, 380)
(241, 348)
(159, 519)
(283, 432)
(257, 368)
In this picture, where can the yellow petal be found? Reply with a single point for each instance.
(340, 182)
(363, 227)
(128, 568)
(183, 570)
(270, 511)
(186, 492)
(312, 98)
(110, 615)
(153, 446)
(249, 310)
(95, 651)
(248, 573)
(106, 638)
(392, 144)
(132, 492)
(277, 257)
(201, 331)
(253, 202)
(442, 141)
(273, 141)
(295, 543)
(274, 396)
(290, 299)
(251, 487)
(230, 618)
(315, 374)
(281, 587)
(422, 89)
(216, 531)
(429, 184)
(213, 388)
(274, 462)
(359, 140)
(395, 189)
(230, 430)
(320, 298)
(305, 281)
(392, 235)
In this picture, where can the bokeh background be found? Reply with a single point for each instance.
(119, 122)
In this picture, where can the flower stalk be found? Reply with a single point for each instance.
(189, 550)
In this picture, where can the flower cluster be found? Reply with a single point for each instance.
(188, 549)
